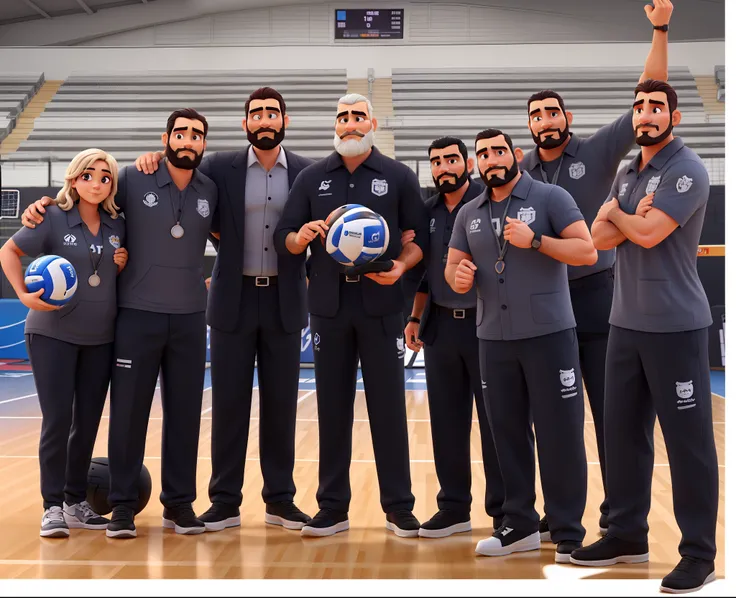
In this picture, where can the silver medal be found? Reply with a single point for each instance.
(94, 280)
(177, 231)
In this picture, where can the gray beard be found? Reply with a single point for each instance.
(353, 147)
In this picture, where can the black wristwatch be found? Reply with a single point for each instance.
(414, 320)
(661, 27)
(537, 241)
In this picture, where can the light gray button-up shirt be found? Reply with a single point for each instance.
(265, 197)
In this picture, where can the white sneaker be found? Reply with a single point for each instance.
(507, 541)
(81, 516)
(53, 524)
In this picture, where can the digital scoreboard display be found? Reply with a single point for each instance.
(358, 23)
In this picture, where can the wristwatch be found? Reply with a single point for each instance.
(537, 241)
(661, 27)
(413, 319)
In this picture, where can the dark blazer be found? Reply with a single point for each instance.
(228, 170)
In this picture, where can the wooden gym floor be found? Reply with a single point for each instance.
(259, 551)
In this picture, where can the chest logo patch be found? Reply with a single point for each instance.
(527, 215)
(622, 191)
(203, 208)
(577, 170)
(114, 241)
(324, 185)
(431, 225)
(653, 184)
(474, 225)
(683, 184)
(150, 199)
(70, 240)
(379, 187)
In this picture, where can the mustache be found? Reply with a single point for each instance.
(266, 130)
(549, 131)
(358, 133)
(444, 174)
(502, 168)
(655, 127)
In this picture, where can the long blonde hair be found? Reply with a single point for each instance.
(68, 196)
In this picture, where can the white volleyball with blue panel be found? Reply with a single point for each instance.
(55, 275)
(357, 235)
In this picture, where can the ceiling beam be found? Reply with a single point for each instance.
(38, 9)
(86, 8)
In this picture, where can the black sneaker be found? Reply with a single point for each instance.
(403, 523)
(286, 514)
(608, 551)
(564, 550)
(182, 519)
(121, 523)
(603, 524)
(219, 516)
(82, 516)
(544, 535)
(508, 540)
(326, 523)
(690, 575)
(444, 523)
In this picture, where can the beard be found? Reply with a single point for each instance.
(184, 162)
(266, 143)
(450, 186)
(493, 180)
(353, 147)
(644, 139)
(552, 142)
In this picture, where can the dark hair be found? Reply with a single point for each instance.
(652, 85)
(444, 142)
(543, 95)
(266, 93)
(189, 113)
(491, 133)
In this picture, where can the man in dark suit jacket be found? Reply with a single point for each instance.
(256, 310)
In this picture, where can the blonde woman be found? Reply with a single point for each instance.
(71, 347)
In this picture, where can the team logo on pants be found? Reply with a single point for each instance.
(400, 346)
(684, 389)
(315, 340)
(567, 377)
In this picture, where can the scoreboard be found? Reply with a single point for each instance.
(358, 23)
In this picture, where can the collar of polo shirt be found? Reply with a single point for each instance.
(520, 190)
(661, 157)
(253, 159)
(163, 178)
(73, 217)
(373, 161)
(571, 149)
(474, 190)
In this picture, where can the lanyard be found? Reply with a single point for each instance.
(557, 172)
(500, 263)
(94, 279)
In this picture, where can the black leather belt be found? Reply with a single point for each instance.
(353, 278)
(262, 281)
(458, 314)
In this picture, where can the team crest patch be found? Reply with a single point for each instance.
(379, 187)
(653, 184)
(527, 215)
(114, 241)
(567, 377)
(684, 183)
(577, 170)
(684, 389)
(150, 199)
(622, 191)
(203, 208)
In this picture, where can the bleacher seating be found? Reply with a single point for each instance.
(720, 75)
(15, 93)
(460, 102)
(126, 115)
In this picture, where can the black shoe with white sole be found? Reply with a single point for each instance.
(445, 522)
(121, 523)
(690, 575)
(286, 514)
(326, 523)
(603, 524)
(544, 535)
(82, 516)
(403, 523)
(508, 540)
(183, 520)
(609, 551)
(564, 550)
(497, 523)
(220, 516)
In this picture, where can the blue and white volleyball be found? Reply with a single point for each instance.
(55, 275)
(356, 235)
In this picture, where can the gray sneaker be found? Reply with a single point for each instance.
(81, 516)
(53, 524)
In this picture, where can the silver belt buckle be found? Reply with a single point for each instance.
(353, 278)
(458, 314)
(263, 281)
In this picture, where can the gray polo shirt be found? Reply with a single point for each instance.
(587, 170)
(531, 297)
(89, 317)
(164, 274)
(441, 223)
(266, 193)
(658, 289)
